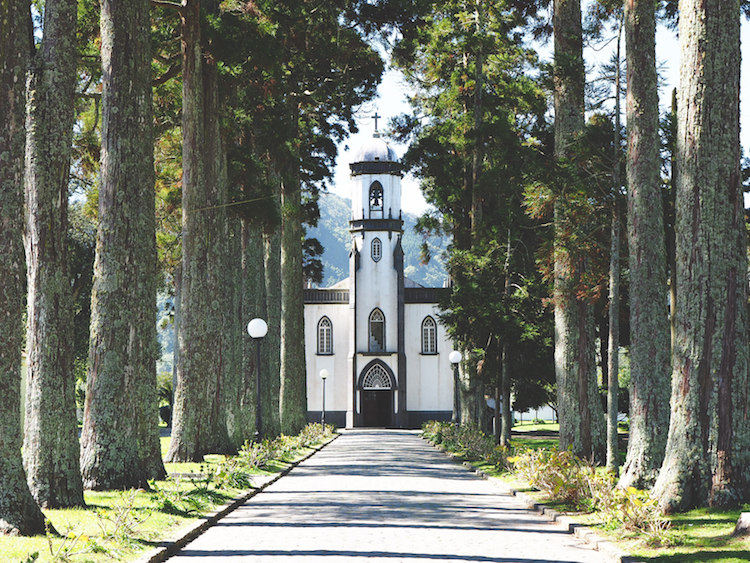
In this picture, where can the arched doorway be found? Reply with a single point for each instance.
(376, 392)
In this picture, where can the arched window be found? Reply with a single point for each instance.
(377, 249)
(325, 336)
(376, 378)
(376, 200)
(377, 331)
(429, 336)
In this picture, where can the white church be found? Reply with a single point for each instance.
(376, 334)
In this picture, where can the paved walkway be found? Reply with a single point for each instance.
(384, 496)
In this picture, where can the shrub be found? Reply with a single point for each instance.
(569, 479)
(467, 441)
(559, 474)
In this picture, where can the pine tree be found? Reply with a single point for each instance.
(51, 446)
(19, 513)
(707, 459)
(120, 441)
(199, 425)
(650, 363)
(579, 409)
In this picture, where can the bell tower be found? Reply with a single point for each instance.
(377, 354)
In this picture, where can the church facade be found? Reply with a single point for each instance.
(377, 333)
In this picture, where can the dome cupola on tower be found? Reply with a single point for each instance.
(376, 150)
(375, 157)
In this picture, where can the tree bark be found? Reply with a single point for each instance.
(253, 306)
(707, 460)
(293, 393)
(51, 448)
(238, 390)
(271, 357)
(473, 407)
(199, 423)
(579, 409)
(120, 445)
(507, 425)
(613, 349)
(650, 348)
(19, 513)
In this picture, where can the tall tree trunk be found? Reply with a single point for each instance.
(239, 390)
(222, 270)
(505, 370)
(293, 366)
(505, 394)
(199, 422)
(19, 513)
(51, 449)
(270, 389)
(120, 441)
(707, 460)
(471, 391)
(613, 350)
(477, 197)
(253, 306)
(650, 348)
(579, 409)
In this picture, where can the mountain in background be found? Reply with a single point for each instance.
(333, 233)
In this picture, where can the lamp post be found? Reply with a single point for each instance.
(323, 375)
(257, 329)
(455, 359)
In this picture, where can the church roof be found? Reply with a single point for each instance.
(376, 150)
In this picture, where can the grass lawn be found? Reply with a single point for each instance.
(698, 536)
(120, 525)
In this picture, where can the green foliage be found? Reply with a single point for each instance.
(172, 497)
(559, 474)
(476, 128)
(236, 472)
(565, 478)
(467, 441)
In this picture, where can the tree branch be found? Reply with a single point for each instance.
(172, 71)
(169, 5)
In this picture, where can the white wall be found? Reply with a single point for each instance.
(429, 377)
(339, 378)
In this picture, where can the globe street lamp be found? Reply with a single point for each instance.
(455, 358)
(257, 329)
(323, 375)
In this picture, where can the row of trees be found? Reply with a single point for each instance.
(232, 112)
(498, 173)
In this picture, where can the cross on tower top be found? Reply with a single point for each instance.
(376, 116)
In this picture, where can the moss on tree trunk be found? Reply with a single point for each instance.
(707, 460)
(293, 366)
(650, 347)
(120, 439)
(19, 513)
(51, 448)
(199, 422)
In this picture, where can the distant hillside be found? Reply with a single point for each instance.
(333, 233)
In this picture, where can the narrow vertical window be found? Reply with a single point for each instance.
(429, 336)
(377, 331)
(376, 201)
(377, 249)
(325, 340)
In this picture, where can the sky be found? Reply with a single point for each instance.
(393, 94)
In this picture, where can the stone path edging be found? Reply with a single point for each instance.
(183, 536)
(613, 553)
